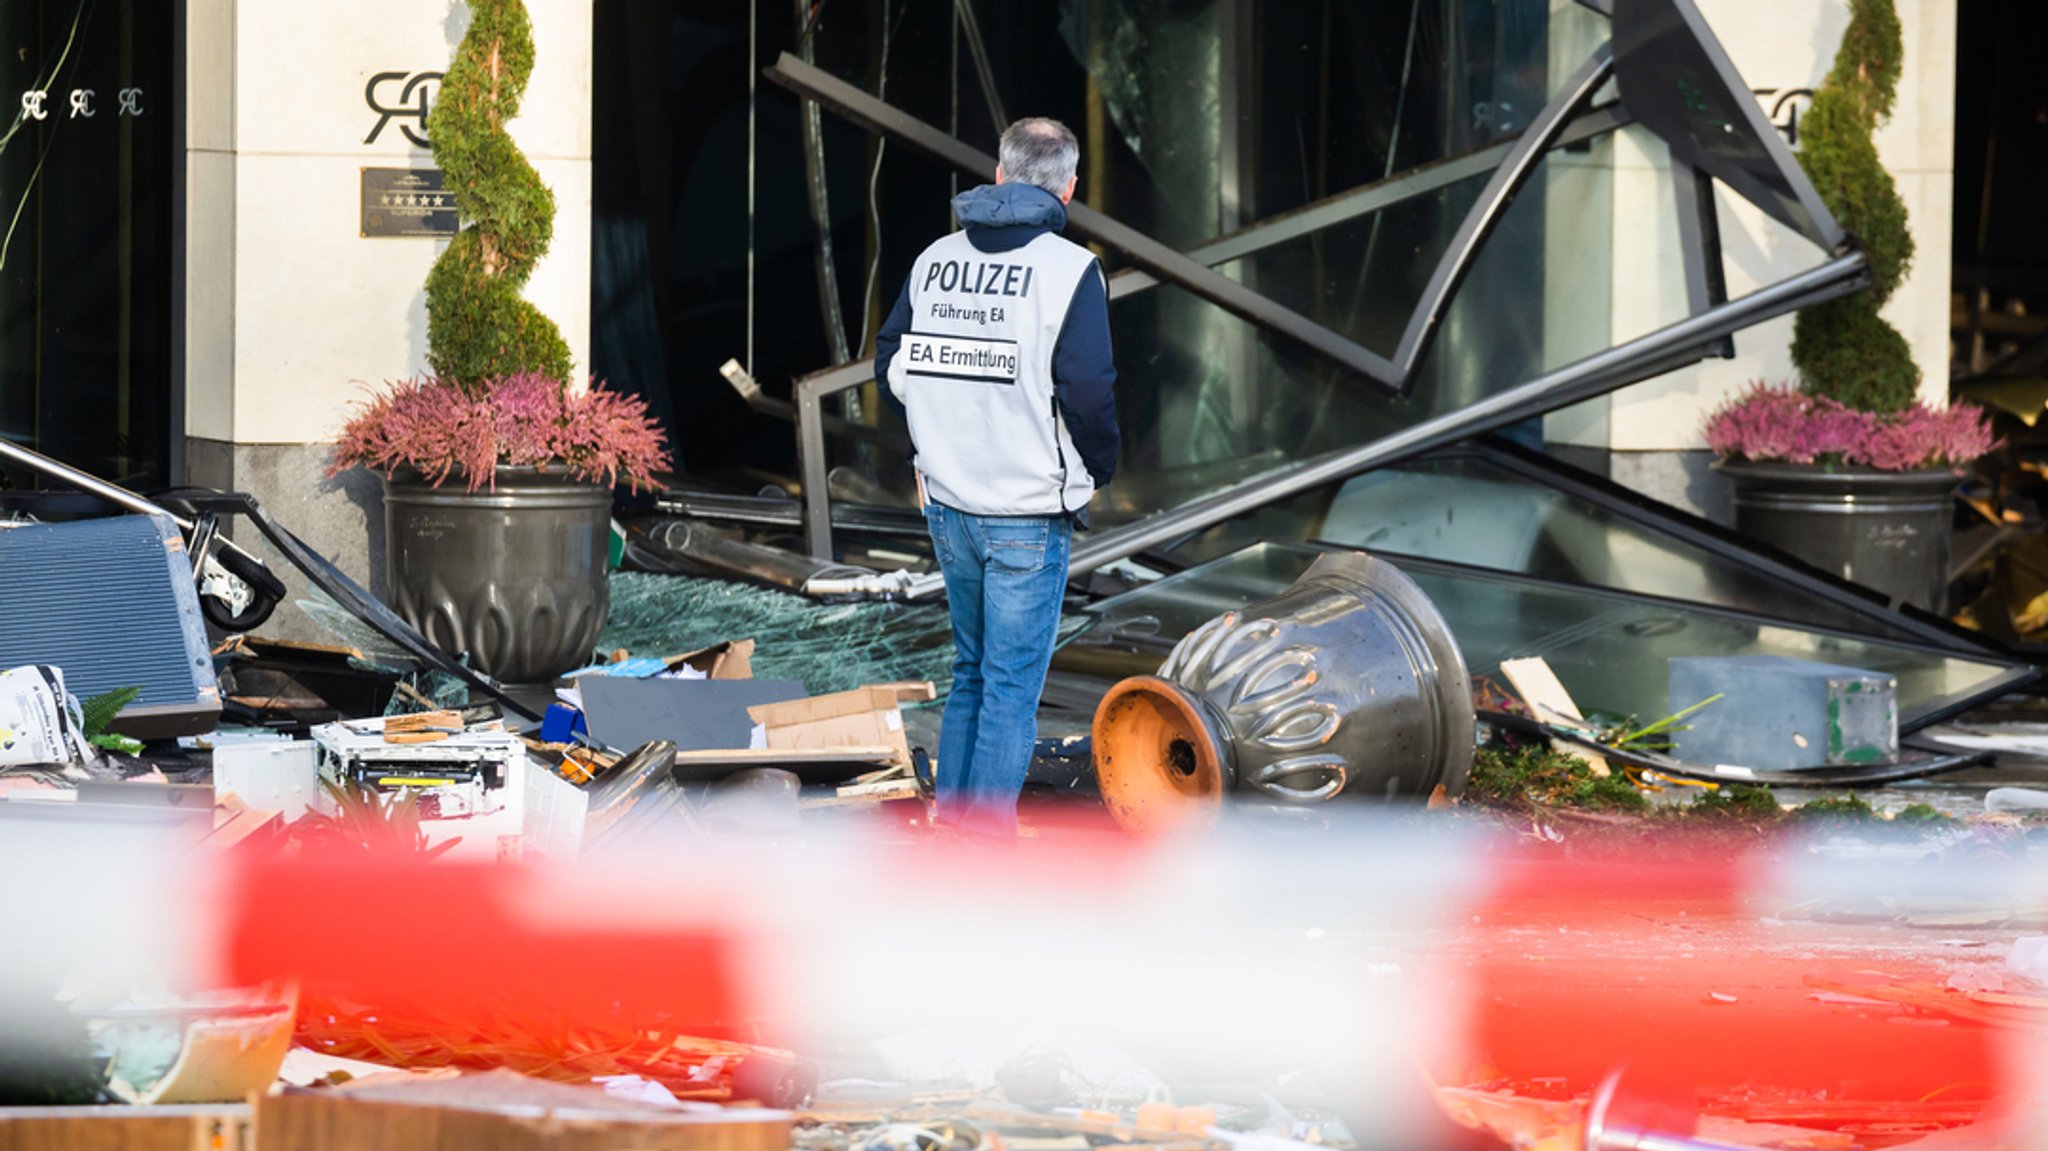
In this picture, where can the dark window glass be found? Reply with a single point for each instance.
(86, 276)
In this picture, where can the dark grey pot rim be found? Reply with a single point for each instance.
(514, 476)
(516, 487)
(1816, 475)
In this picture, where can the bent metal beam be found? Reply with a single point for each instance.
(1144, 251)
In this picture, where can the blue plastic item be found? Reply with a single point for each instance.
(561, 724)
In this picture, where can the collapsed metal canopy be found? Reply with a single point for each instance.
(1672, 76)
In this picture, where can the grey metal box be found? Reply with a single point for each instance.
(111, 601)
(1783, 714)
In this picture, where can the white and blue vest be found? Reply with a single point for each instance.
(974, 373)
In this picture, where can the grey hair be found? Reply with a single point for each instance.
(1040, 152)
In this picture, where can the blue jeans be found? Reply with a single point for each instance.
(1005, 578)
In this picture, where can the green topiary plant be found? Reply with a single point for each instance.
(1844, 349)
(479, 327)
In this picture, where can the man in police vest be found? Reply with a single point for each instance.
(998, 350)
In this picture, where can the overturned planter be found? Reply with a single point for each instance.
(1347, 683)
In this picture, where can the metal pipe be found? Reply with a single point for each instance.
(750, 392)
(1641, 358)
(1349, 205)
(232, 555)
(819, 197)
(977, 48)
(810, 453)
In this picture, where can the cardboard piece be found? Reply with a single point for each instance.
(864, 717)
(1547, 698)
(697, 714)
(733, 659)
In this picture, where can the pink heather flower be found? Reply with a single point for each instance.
(1921, 437)
(441, 429)
(1782, 425)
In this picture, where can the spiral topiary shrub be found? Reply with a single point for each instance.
(1844, 349)
(479, 327)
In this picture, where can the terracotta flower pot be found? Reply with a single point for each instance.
(1347, 683)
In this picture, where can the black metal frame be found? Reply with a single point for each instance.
(1642, 64)
(809, 392)
(1644, 38)
(1646, 356)
(1363, 200)
(1164, 262)
(1699, 243)
(1369, 198)
(1508, 179)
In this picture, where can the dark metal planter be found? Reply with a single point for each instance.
(514, 576)
(1885, 530)
(1348, 683)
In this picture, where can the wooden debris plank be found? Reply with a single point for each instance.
(1122, 1132)
(865, 793)
(209, 1127)
(769, 756)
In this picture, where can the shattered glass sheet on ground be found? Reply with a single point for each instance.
(1610, 648)
(826, 647)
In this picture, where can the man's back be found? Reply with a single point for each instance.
(998, 349)
(999, 352)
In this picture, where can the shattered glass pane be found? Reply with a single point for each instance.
(826, 647)
(1609, 648)
(1466, 508)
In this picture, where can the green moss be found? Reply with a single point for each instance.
(479, 327)
(1844, 349)
(1535, 776)
(1736, 800)
(1922, 815)
(1835, 811)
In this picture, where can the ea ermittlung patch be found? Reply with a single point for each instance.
(960, 358)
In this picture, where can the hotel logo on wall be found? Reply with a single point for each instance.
(401, 96)
(81, 103)
(1784, 106)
